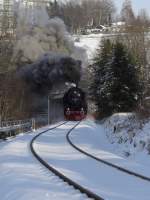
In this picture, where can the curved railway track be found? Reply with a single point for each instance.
(104, 161)
(56, 172)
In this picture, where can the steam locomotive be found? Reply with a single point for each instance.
(75, 105)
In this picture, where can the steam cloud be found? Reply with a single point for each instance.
(37, 35)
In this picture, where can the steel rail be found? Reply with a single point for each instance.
(106, 162)
(83, 190)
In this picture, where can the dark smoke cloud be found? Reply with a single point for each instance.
(50, 70)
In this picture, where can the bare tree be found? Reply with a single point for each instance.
(79, 14)
(143, 18)
(127, 14)
(73, 16)
(98, 11)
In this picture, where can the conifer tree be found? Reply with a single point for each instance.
(102, 78)
(116, 86)
(127, 89)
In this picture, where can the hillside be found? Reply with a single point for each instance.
(127, 135)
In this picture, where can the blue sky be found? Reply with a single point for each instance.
(136, 4)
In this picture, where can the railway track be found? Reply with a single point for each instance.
(140, 176)
(89, 194)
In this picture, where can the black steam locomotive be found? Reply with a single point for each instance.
(75, 105)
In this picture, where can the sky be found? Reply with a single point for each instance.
(136, 5)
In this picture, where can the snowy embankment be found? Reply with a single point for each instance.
(129, 137)
(101, 179)
(95, 141)
(23, 178)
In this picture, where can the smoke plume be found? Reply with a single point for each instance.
(50, 70)
(38, 35)
(45, 54)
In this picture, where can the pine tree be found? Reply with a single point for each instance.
(102, 78)
(116, 86)
(127, 89)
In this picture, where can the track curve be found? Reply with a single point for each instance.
(104, 161)
(56, 172)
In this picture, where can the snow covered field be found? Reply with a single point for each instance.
(90, 43)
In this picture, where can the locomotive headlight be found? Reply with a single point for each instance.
(82, 111)
(68, 111)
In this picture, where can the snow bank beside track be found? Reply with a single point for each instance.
(129, 136)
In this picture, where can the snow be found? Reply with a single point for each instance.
(53, 147)
(23, 178)
(90, 43)
(103, 149)
(119, 24)
(131, 138)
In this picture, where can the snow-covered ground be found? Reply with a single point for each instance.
(89, 42)
(129, 137)
(105, 181)
(23, 178)
(103, 149)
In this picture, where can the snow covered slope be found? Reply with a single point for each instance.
(90, 43)
(129, 136)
